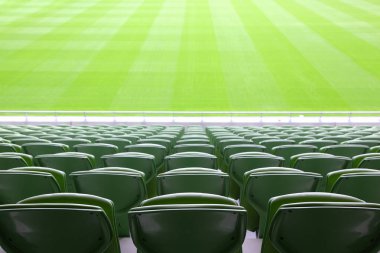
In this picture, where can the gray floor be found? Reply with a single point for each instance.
(251, 244)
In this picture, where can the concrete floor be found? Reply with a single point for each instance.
(251, 244)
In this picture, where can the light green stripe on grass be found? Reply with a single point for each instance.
(200, 83)
(326, 59)
(285, 62)
(364, 54)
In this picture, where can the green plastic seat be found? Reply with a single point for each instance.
(9, 147)
(18, 184)
(67, 162)
(321, 164)
(158, 151)
(359, 183)
(188, 223)
(134, 160)
(298, 139)
(164, 142)
(351, 228)
(72, 142)
(260, 186)
(45, 228)
(9, 160)
(190, 159)
(59, 176)
(201, 180)
(204, 148)
(338, 139)
(369, 143)
(319, 143)
(22, 141)
(240, 163)
(287, 151)
(252, 215)
(97, 150)
(117, 141)
(193, 141)
(349, 150)
(258, 139)
(371, 163)
(105, 205)
(375, 149)
(275, 203)
(358, 159)
(36, 149)
(271, 143)
(240, 148)
(125, 187)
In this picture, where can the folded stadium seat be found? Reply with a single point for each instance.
(242, 162)
(354, 227)
(194, 136)
(360, 183)
(338, 139)
(97, 150)
(370, 163)
(125, 187)
(262, 184)
(9, 147)
(271, 143)
(91, 138)
(36, 149)
(375, 149)
(224, 157)
(138, 161)
(190, 159)
(193, 141)
(276, 203)
(188, 223)
(164, 142)
(287, 151)
(369, 143)
(18, 184)
(23, 141)
(320, 163)
(357, 160)
(193, 180)
(9, 160)
(204, 148)
(129, 137)
(158, 151)
(117, 141)
(72, 142)
(169, 137)
(299, 139)
(349, 150)
(67, 162)
(258, 139)
(319, 143)
(221, 144)
(93, 230)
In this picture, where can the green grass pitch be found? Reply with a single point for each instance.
(222, 55)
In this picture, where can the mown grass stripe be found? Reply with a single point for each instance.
(199, 81)
(153, 73)
(344, 90)
(359, 14)
(249, 84)
(364, 54)
(283, 59)
(107, 69)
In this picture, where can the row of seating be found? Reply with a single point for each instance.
(219, 163)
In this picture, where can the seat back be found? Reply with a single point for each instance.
(36, 149)
(330, 227)
(190, 159)
(287, 151)
(106, 206)
(134, 160)
(125, 187)
(193, 180)
(57, 228)
(188, 223)
(97, 150)
(349, 150)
